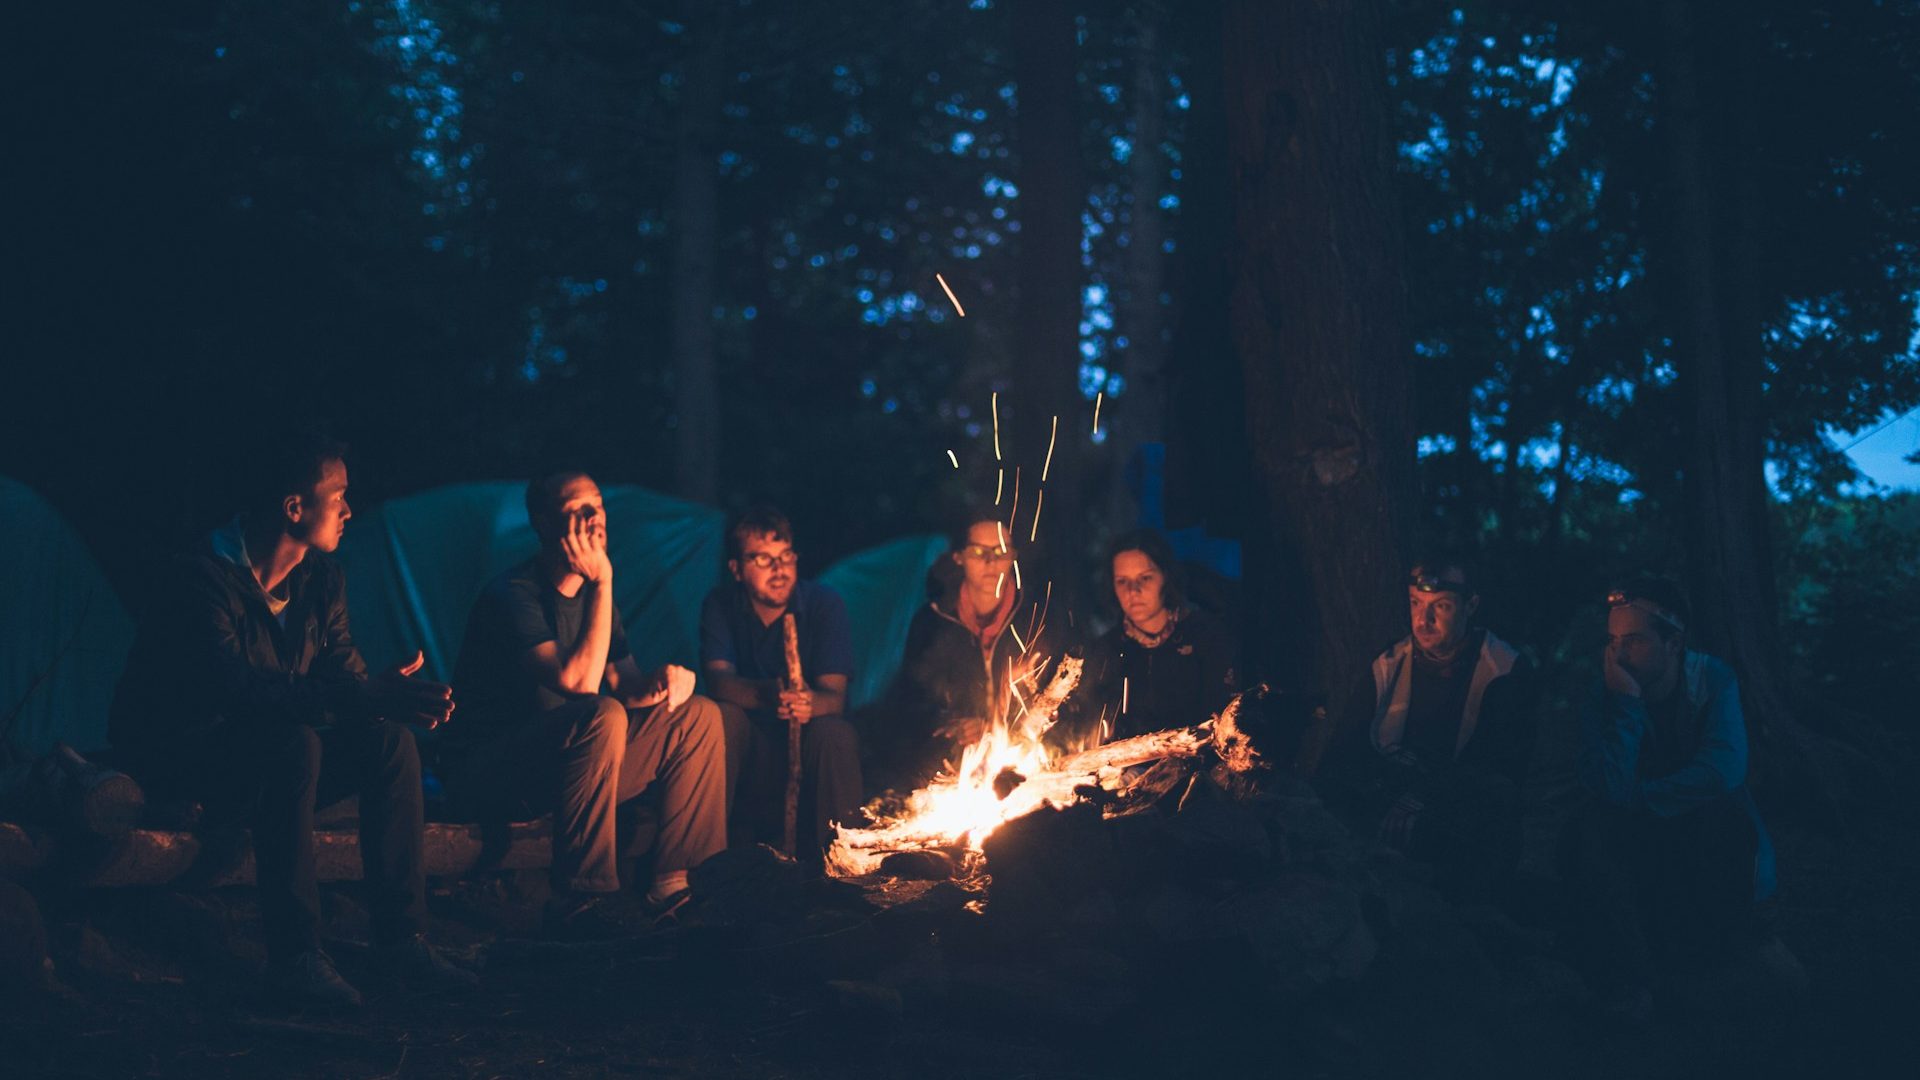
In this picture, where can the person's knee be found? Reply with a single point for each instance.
(704, 720)
(833, 738)
(397, 745)
(602, 727)
(297, 750)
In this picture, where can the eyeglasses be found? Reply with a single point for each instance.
(983, 553)
(763, 561)
(1622, 598)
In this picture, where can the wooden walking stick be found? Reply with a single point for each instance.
(795, 681)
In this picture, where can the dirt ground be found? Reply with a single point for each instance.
(912, 979)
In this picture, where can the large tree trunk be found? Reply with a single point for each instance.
(1319, 309)
(1704, 94)
(1046, 353)
(1141, 316)
(696, 180)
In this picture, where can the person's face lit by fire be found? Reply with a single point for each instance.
(768, 567)
(1642, 646)
(318, 518)
(1139, 585)
(1441, 618)
(986, 558)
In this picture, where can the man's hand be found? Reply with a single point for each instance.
(796, 705)
(585, 546)
(1618, 680)
(678, 682)
(962, 732)
(397, 695)
(1396, 828)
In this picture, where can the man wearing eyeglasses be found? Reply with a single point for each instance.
(1668, 859)
(1449, 725)
(743, 654)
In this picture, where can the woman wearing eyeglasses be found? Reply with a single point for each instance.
(981, 633)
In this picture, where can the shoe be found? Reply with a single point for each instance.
(424, 967)
(666, 909)
(311, 979)
(584, 917)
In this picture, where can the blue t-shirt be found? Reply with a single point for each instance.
(732, 632)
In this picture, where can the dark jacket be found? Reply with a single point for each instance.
(945, 675)
(1630, 759)
(213, 652)
(1183, 681)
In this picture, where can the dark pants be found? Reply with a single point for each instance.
(271, 775)
(830, 786)
(1646, 891)
(1470, 833)
(585, 758)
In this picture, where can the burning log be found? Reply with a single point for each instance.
(964, 808)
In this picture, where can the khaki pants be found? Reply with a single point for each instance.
(585, 758)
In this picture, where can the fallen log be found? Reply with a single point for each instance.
(217, 858)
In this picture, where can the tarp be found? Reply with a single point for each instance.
(415, 565)
(883, 586)
(64, 631)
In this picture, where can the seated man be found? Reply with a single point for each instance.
(556, 715)
(1438, 739)
(1669, 856)
(743, 652)
(244, 692)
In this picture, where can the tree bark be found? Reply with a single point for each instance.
(1046, 353)
(1141, 314)
(696, 395)
(1730, 567)
(1318, 313)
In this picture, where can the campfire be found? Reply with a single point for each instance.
(1010, 772)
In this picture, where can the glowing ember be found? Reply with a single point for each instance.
(1054, 434)
(996, 425)
(1096, 412)
(1037, 504)
(952, 458)
(949, 291)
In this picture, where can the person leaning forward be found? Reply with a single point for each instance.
(557, 715)
(743, 653)
(244, 691)
(1667, 858)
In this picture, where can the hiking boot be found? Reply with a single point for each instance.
(310, 979)
(424, 967)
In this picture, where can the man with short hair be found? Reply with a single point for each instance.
(557, 715)
(245, 692)
(743, 652)
(1669, 856)
(1442, 730)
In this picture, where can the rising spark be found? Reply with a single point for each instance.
(956, 300)
(1000, 531)
(996, 425)
(1000, 481)
(997, 583)
(1123, 696)
(1096, 412)
(1037, 504)
(955, 460)
(1016, 579)
(1015, 512)
(1015, 631)
(1054, 434)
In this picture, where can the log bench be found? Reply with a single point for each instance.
(218, 857)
